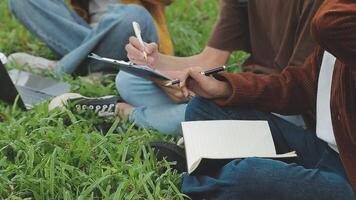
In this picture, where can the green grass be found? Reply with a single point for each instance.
(59, 155)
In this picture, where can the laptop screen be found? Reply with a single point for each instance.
(8, 91)
(38, 83)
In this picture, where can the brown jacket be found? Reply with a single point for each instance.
(155, 7)
(294, 90)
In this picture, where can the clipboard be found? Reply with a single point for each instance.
(137, 70)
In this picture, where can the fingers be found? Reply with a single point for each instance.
(135, 52)
(134, 55)
(136, 43)
(158, 81)
(184, 82)
(175, 93)
(151, 48)
(195, 73)
(196, 83)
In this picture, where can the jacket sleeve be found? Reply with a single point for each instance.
(292, 91)
(304, 43)
(334, 27)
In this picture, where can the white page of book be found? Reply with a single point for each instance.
(226, 139)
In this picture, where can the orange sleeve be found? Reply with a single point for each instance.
(334, 27)
(290, 92)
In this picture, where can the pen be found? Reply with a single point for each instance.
(206, 73)
(137, 30)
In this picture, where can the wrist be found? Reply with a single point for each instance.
(158, 61)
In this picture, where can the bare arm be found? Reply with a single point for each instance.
(208, 58)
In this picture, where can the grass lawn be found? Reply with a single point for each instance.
(59, 155)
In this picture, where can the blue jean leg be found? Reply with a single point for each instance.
(108, 39)
(52, 22)
(72, 39)
(317, 174)
(258, 178)
(153, 108)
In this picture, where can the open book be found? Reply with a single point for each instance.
(227, 139)
(137, 70)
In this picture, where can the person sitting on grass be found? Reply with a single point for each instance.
(281, 39)
(326, 84)
(102, 26)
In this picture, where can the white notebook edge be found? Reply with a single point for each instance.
(194, 161)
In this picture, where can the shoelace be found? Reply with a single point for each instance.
(105, 109)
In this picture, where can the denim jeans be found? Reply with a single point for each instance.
(153, 108)
(72, 39)
(317, 172)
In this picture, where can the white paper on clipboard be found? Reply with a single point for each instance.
(137, 70)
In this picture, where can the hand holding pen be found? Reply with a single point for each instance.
(135, 52)
(195, 81)
(205, 73)
(137, 30)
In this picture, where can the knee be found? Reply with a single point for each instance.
(144, 18)
(123, 82)
(197, 109)
(138, 13)
(248, 169)
(122, 16)
(128, 86)
(23, 9)
(336, 189)
(17, 7)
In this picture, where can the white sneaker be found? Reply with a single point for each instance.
(181, 142)
(103, 106)
(3, 58)
(35, 62)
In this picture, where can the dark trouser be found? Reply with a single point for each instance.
(317, 174)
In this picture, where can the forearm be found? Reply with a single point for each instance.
(166, 62)
(207, 59)
(159, 2)
(282, 93)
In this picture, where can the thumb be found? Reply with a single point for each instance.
(195, 73)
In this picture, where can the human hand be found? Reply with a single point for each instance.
(204, 86)
(173, 91)
(135, 52)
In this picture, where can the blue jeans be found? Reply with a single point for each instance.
(153, 108)
(316, 174)
(72, 39)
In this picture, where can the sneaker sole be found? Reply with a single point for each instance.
(62, 100)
